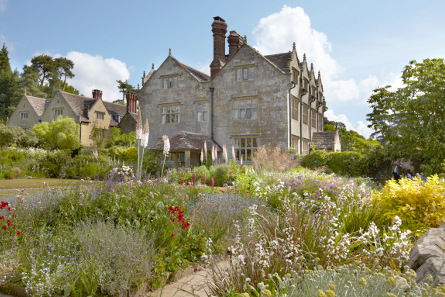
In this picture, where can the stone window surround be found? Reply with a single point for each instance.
(305, 114)
(100, 115)
(245, 73)
(295, 106)
(236, 107)
(58, 111)
(245, 145)
(24, 115)
(202, 110)
(314, 118)
(169, 81)
(166, 114)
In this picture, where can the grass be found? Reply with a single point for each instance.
(38, 183)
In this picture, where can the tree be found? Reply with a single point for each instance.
(4, 60)
(45, 66)
(124, 87)
(411, 119)
(62, 133)
(63, 68)
(351, 141)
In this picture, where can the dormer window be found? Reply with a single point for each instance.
(245, 73)
(170, 82)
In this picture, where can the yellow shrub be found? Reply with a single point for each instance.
(419, 205)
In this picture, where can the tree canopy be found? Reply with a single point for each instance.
(62, 133)
(410, 121)
(124, 87)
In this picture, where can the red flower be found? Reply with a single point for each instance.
(14, 216)
(221, 191)
(9, 223)
(18, 232)
(173, 234)
(186, 225)
(4, 227)
(9, 208)
(2, 218)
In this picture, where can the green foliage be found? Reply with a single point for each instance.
(345, 163)
(408, 119)
(220, 174)
(124, 87)
(315, 159)
(14, 135)
(119, 139)
(419, 205)
(62, 133)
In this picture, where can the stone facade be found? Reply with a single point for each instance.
(250, 99)
(28, 112)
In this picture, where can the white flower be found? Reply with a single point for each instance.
(166, 145)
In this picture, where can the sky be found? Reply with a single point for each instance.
(357, 46)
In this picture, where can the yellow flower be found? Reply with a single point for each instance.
(390, 295)
(391, 281)
(320, 293)
(362, 281)
(245, 294)
(330, 293)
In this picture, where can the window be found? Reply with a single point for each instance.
(295, 142)
(320, 122)
(116, 117)
(245, 109)
(305, 146)
(295, 75)
(100, 115)
(24, 115)
(203, 113)
(294, 107)
(314, 118)
(58, 111)
(245, 73)
(170, 82)
(244, 147)
(305, 114)
(170, 114)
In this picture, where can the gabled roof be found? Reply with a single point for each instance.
(79, 104)
(280, 60)
(115, 108)
(198, 74)
(39, 104)
(324, 140)
(187, 141)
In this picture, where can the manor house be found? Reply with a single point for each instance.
(249, 100)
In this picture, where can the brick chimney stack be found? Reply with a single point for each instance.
(219, 29)
(97, 94)
(131, 102)
(235, 42)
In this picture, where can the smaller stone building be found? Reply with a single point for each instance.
(328, 141)
(90, 113)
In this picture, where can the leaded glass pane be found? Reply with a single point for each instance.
(253, 113)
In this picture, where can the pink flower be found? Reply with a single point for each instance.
(212, 182)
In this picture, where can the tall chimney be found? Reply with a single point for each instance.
(219, 29)
(97, 94)
(235, 42)
(131, 102)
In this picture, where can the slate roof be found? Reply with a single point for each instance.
(198, 74)
(188, 141)
(79, 104)
(280, 60)
(39, 104)
(324, 140)
(115, 108)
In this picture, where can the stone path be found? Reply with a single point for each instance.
(190, 283)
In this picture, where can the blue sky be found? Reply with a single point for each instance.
(356, 45)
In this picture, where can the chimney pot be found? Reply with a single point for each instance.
(219, 29)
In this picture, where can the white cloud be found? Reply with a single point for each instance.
(276, 33)
(95, 72)
(359, 127)
(3, 5)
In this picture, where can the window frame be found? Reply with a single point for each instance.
(245, 108)
(167, 115)
(202, 111)
(305, 114)
(245, 146)
(24, 115)
(245, 73)
(313, 118)
(170, 82)
(295, 108)
(100, 115)
(58, 111)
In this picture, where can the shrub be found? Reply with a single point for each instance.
(345, 163)
(420, 205)
(220, 174)
(315, 159)
(200, 172)
(107, 254)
